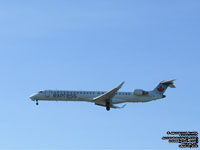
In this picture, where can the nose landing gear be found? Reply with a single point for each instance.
(37, 102)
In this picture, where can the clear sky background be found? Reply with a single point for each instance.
(95, 45)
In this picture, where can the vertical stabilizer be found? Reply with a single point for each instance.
(162, 86)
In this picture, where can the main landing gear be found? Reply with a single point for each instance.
(107, 105)
(37, 102)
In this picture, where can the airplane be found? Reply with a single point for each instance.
(103, 98)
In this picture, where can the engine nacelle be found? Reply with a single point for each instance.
(139, 92)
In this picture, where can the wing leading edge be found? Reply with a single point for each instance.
(106, 99)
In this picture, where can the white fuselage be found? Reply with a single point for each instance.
(88, 96)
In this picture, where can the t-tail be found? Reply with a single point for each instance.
(162, 87)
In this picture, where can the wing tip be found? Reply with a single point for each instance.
(121, 84)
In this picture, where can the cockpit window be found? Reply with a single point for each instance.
(40, 91)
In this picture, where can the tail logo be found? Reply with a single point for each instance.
(160, 89)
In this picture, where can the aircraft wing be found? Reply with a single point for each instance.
(118, 107)
(101, 100)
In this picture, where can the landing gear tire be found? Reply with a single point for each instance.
(37, 102)
(107, 106)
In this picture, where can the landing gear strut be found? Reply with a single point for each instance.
(37, 102)
(107, 105)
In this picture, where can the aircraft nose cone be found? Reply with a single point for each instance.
(32, 97)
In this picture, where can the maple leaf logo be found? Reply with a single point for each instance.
(160, 89)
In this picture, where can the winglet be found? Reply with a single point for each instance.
(120, 85)
(123, 106)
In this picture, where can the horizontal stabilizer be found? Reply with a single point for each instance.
(169, 83)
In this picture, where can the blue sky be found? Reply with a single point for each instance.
(95, 45)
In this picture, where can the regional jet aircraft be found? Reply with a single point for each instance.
(103, 98)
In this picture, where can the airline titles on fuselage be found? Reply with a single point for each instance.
(73, 94)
